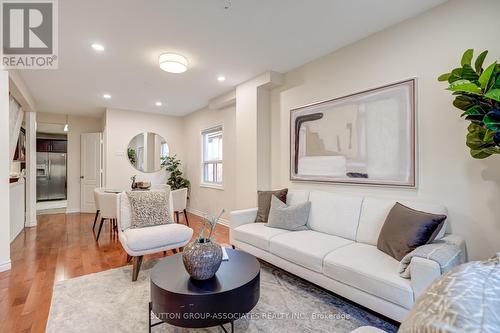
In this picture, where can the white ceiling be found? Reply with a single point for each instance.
(250, 37)
(50, 128)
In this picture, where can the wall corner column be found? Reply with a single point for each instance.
(4, 173)
(30, 118)
(253, 137)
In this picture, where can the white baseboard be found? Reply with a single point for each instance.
(5, 266)
(30, 224)
(72, 210)
(199, 213)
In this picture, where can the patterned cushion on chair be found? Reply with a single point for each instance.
(466, 299)
(149, 208)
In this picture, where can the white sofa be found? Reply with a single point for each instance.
(339, 252)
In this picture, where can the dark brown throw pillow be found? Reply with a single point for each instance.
(405, 229)
(264, 202)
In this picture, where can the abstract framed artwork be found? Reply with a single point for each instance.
(364, 138)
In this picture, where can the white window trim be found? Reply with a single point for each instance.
(219, 127)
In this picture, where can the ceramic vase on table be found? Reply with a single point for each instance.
(202, 258)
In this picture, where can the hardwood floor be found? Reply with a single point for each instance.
(61, 247)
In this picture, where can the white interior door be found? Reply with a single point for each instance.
(91, 171)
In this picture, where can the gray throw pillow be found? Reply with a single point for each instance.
(405, 229)
(264, 202)
(293, 217)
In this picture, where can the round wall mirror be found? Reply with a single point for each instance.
(147, 152)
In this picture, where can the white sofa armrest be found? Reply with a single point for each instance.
(460, 242)
(241, 217)
(424, 271)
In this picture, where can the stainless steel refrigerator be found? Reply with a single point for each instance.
(50, 176)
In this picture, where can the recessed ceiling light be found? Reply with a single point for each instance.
(173, 63)
(106, 96)
(158, 103)
(98, 47)
(221, 78)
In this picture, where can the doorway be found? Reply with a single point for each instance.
(51, 168)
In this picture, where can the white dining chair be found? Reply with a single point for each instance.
(107, 209)
(97, 190)
(179, 202)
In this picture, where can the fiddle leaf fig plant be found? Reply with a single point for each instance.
(176, 180)
(477, 94)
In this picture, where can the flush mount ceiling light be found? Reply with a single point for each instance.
(173, 63)
(106, 96)
(98, 47)
(221, 78)
(158, 103)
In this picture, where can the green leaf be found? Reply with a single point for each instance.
(491, 150)
(479, 154)
(492, 120)
(497, 81)
(463, 73)
(493, 94)
(465, 86)
(468, 73)
(456, 74)
(488, 136)
(467, 57)
(444, 77)
(473, 111)
(463, 102)
(479, 62)
(485, 77)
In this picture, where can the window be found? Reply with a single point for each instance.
(212, 156)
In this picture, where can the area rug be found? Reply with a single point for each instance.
(109, 302)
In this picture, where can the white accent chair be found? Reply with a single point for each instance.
(179, 201)
(106, 205)
(138, 242)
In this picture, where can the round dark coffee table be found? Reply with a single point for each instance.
(178, 300)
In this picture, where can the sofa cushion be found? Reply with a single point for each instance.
(296, 196)
(334, 214)
(365, 267)
(148, 238)
(306, 248)
(374, 212)
(256, 234)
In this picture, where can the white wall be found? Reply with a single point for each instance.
(4, 172)
(121, 127)
(17, 208)
(77, 126)
(206, 199)
(425, 47)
